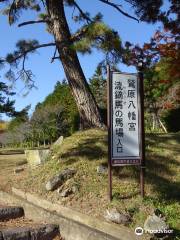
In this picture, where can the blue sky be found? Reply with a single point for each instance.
(46, 73)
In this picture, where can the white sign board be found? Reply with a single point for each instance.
(125, 126)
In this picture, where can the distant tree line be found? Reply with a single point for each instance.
(58, 115)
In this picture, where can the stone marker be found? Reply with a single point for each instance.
(59, 141)
(154, 222)
(114, 216)
(36, 157)
(59, 179)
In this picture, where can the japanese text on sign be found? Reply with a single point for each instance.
(125, 119)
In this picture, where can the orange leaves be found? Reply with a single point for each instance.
(164, 81)
(147, 46)
(168, 105)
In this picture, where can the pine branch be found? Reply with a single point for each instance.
(117, 7)
(76, 36)
(32, 22)
(54, 55)
(54, 58)
(10, 11)
(32, 49)
(43, 3)
(83, 14)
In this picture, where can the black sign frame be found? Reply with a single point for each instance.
(141, 159)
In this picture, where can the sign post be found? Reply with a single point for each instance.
(109, 98)
(142, 171)
(125, 123)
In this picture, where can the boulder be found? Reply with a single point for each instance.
(74, 188)
(101, 169)
(59, 179)
(114, 216)
(60, 189)
(18, 170)
(154, 223)
(66, 192)
(36, 157)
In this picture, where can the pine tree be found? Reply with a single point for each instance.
(98, 86)
(92, 33)
(62, 97)
(6, 105)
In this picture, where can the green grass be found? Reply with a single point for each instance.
(85, 150)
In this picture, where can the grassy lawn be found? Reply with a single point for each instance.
(85, 150)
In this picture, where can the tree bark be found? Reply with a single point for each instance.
(87, 106)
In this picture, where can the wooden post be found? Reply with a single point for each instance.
(109, 134)
(142, 167)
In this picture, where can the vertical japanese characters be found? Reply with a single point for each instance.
(131, 105)
(125, 127)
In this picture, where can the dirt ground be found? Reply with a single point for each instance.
(8, 163)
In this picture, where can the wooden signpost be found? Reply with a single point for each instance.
(126, 145)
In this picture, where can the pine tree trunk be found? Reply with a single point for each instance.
(87, 106)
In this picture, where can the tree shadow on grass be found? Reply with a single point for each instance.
(154, 139)
(160, 170)
(127, 196)
(159, 174)
(89, 149)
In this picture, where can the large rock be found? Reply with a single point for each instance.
(37, 157)
(59, 179)
(66, 192)
(102, 169)
(114, 216)
(154, 223)
(18, 170)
